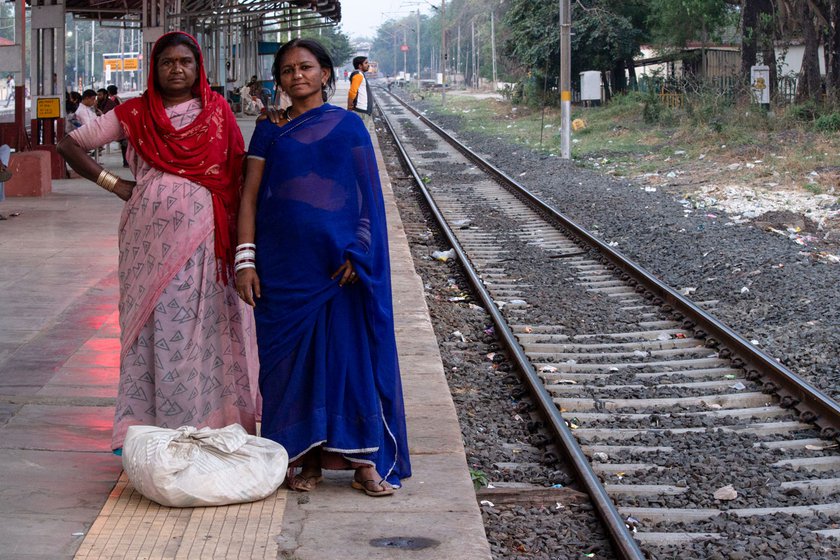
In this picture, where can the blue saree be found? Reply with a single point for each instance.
(329, 374)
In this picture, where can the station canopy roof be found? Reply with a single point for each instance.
(286, 13)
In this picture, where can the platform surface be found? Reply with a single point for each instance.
(64, 494)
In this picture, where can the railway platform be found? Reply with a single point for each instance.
(63, 492)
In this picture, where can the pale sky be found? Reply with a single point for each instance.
(360, 18)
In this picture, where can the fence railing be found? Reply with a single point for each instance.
(671, 99)
(672, 91)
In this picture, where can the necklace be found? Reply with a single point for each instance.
(287, 114)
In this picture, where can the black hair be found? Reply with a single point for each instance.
(320, 54)
(112, 90)
(171, 40)
(88, 93)
(358, 61)
(102, 90)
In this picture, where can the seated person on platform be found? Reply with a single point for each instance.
(71, 121)
(5, 174)
(250, 96)
(85, 112)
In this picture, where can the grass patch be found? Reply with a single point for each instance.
(791, 142)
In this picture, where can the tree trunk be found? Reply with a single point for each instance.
(619, 79)
(631, 71)
(809, 75)
(832, 50)
(606, 82)
(749, 33)
(767, 42)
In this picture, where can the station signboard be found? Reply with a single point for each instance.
(117, 64)
(48, 108)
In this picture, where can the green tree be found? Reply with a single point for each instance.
(607, 35)
(677, 22)
(334, 40)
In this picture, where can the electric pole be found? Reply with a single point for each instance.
(418, 49)
(443, 51)
(565, 79)
(493, 50)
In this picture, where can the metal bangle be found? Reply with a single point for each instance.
(107, 180)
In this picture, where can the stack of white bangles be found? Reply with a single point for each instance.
(245, 257)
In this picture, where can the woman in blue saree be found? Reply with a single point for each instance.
(313, 261)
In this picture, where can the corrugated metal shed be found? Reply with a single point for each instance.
(267, 12)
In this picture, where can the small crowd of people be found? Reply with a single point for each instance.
(84, 108)
(254, 284)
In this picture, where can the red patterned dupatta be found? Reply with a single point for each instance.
(210, 151)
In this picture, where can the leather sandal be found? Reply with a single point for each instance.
(300, 483)
(369, 487)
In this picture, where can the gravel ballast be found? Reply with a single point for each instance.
(703, 251)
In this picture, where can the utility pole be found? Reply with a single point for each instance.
(565, 79)
(122, 59)
(458, 54)
(92, 55)
(418, 49)
(443, 51)
(493, 49)
(473, 77)
(75, 55)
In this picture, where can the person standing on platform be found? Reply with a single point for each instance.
(103, 102)
(10, 89)
(313, 261)
(188, 355)
(360, 98)
(113, 94)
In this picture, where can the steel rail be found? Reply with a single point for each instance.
(794, 392)
(626, 547)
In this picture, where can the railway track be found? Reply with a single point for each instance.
(665, 414)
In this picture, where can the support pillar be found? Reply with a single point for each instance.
(47, 80)
(154, 26)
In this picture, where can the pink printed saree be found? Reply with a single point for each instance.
(188, 343)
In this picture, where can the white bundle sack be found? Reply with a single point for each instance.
(191, 467)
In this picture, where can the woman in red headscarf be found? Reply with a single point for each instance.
(188, 355)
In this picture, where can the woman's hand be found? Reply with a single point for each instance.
(248, 286)
(347, 273)
(124, 188)
(274, 114)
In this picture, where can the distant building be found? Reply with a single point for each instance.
(720, 61)
(695, 59)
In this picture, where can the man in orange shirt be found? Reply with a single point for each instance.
(359, 98)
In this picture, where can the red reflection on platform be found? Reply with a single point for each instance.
(109, 358)
(95, 321)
